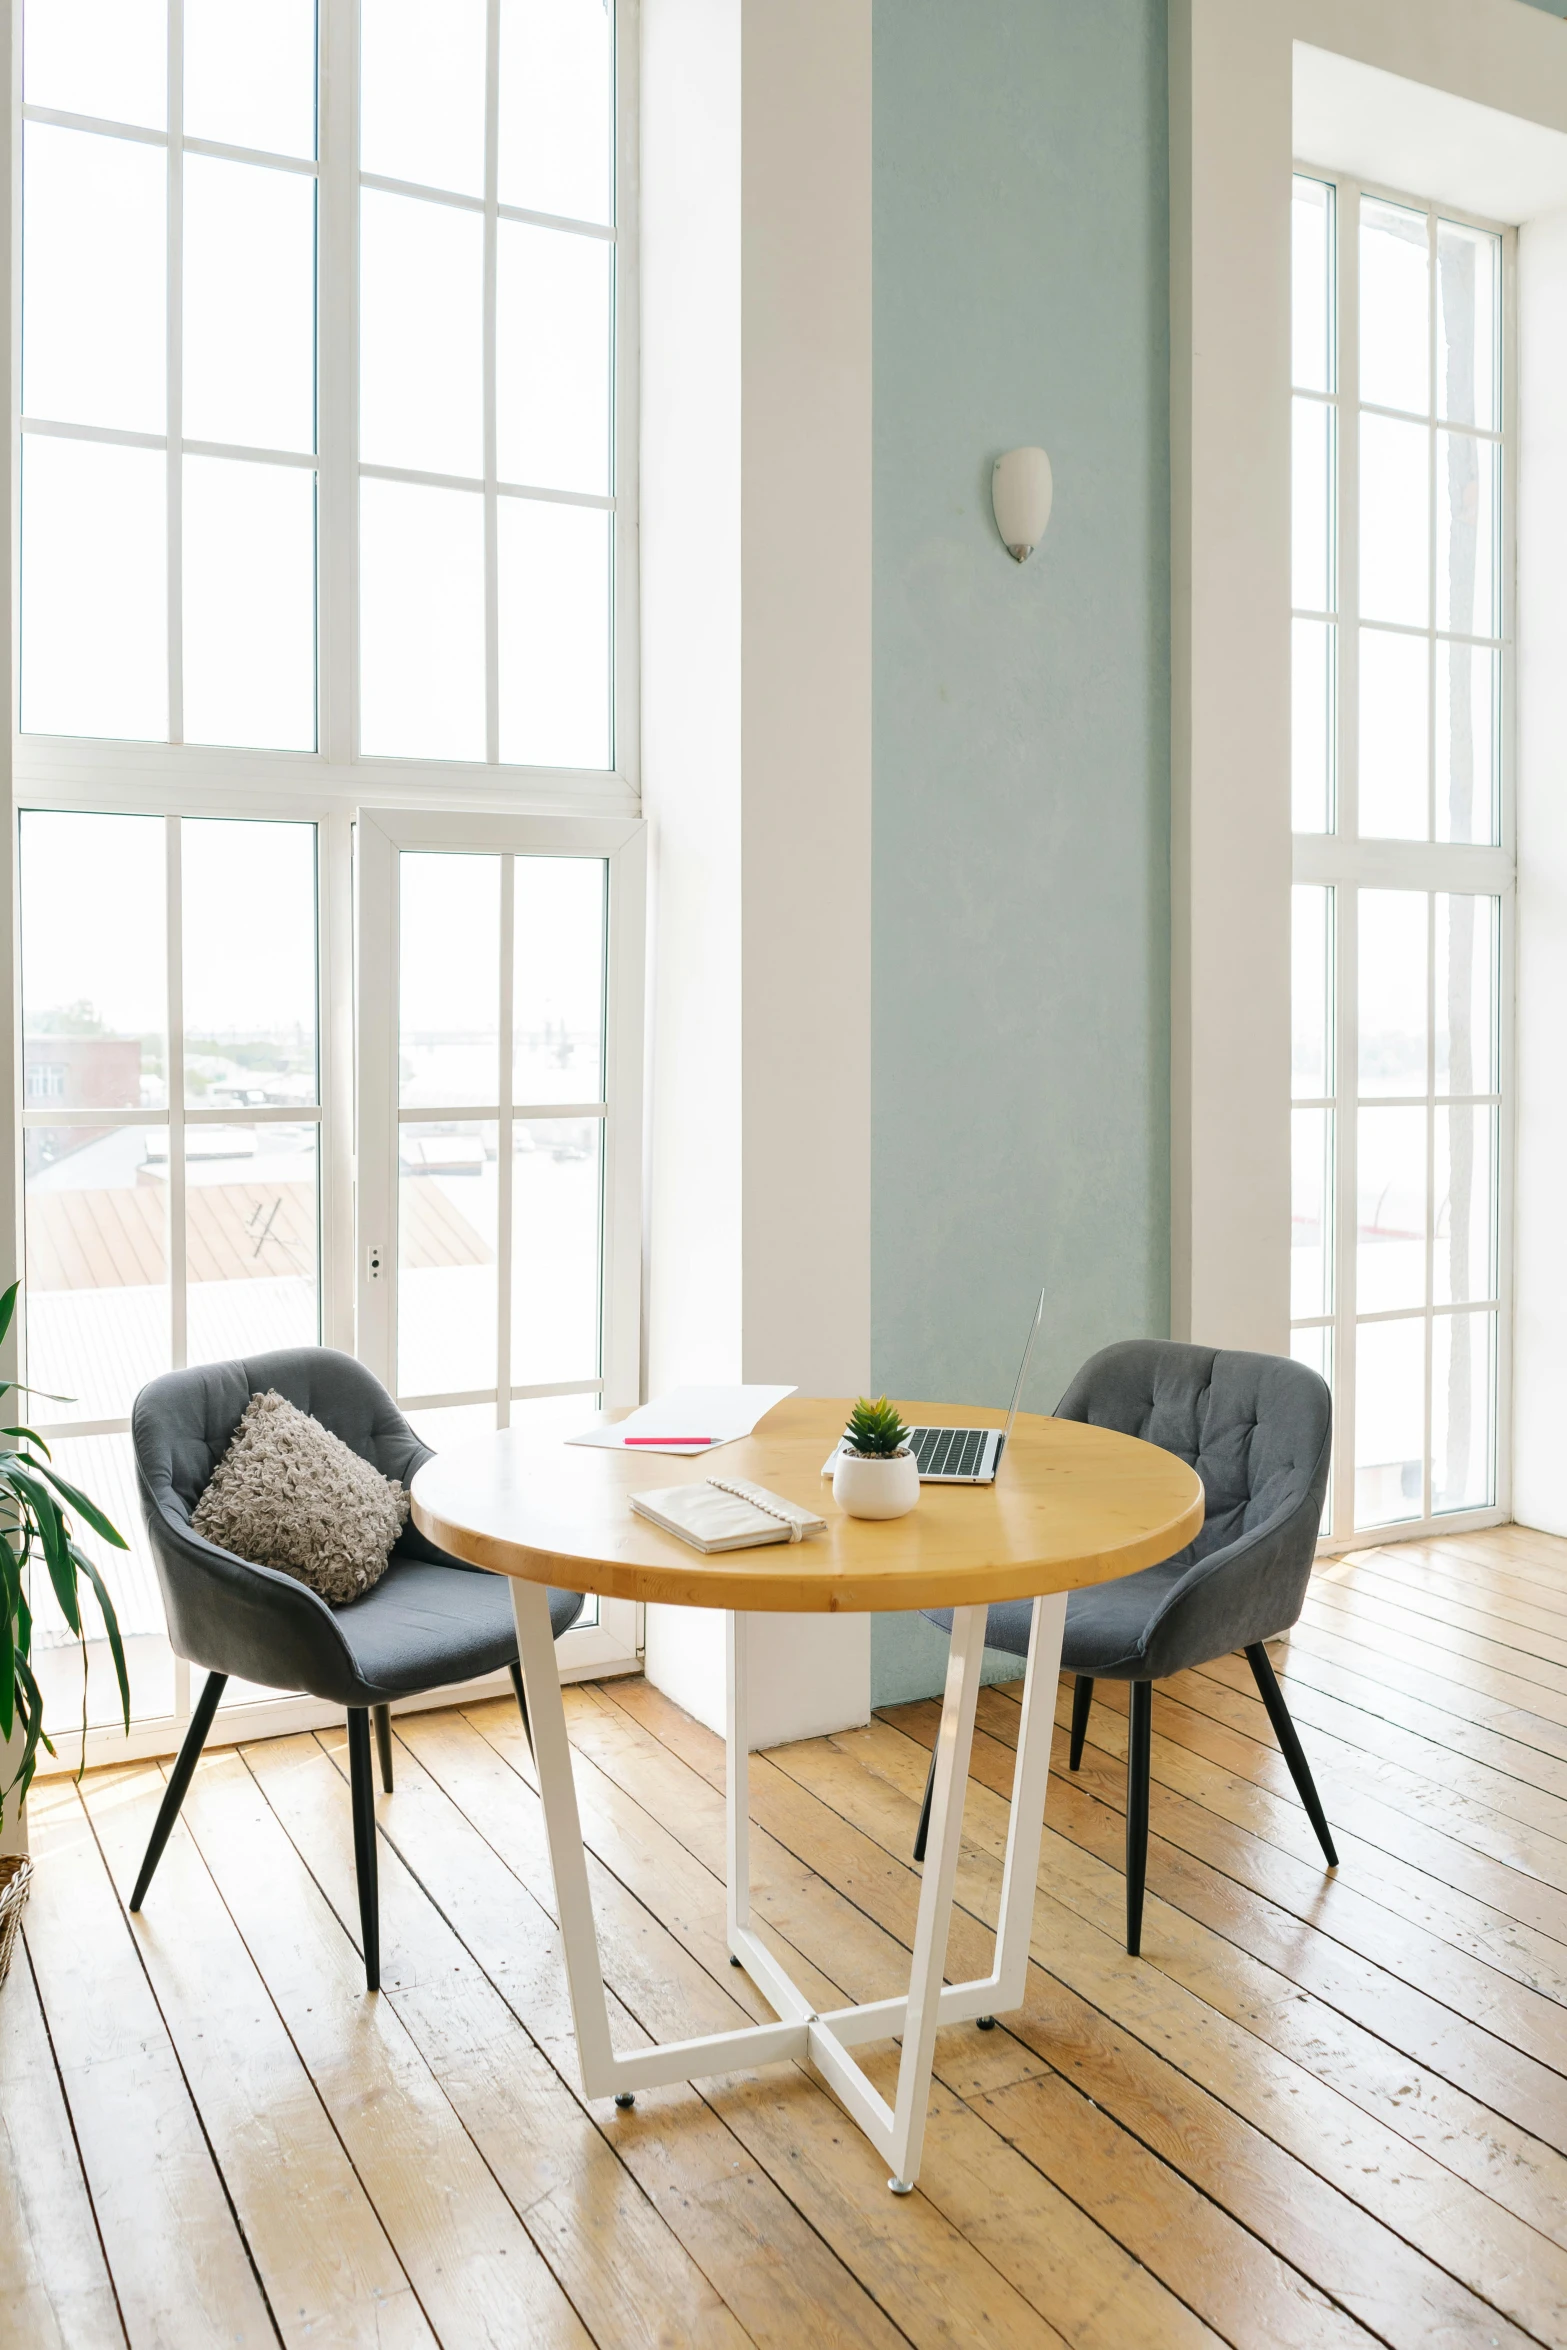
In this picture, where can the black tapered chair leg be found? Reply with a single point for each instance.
(1139, 1753)
(179, 1780)
(923, 1830)
(1290, 1746)
(361, 1788)
(522, 1704)
(383, 1743)
(1082, 1699)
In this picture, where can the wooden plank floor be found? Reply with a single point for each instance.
(1318, 2111)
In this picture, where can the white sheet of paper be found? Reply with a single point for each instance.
(723, 1413)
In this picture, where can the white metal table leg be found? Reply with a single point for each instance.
(801, 2034)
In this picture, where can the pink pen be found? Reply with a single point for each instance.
(669, 1440)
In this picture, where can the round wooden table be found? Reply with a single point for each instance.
(1071, 1505)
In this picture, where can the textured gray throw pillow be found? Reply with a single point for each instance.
(289, 1494)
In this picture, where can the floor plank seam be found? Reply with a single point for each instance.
(240, 2230)
(65, 2102)
(284, 2026)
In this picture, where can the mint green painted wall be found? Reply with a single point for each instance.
(1021, 859)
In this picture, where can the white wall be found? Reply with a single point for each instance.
(756, 683)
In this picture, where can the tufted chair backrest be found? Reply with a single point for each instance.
(1253, 1426)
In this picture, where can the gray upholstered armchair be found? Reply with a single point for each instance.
(429, 1622)
(1257, 1430)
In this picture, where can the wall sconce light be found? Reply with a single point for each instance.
(1021, 489)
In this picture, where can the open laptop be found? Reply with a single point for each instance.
(965, 1456)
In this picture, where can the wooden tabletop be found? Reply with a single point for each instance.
(1071, 1505)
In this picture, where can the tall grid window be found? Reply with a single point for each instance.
(321, 478)
(1402, 565)
(168, 372)
(486, 226)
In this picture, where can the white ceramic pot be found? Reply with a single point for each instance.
(885, 1488)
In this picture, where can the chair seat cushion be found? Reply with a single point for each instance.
(1106, 1625)
(426, 1624)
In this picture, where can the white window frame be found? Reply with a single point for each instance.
(1345, 864)
(383, 836)
(326, 787)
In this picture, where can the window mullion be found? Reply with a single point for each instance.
(503, 1137)
(174, 414)
(1347, 533)
(1346, 1120)
(337, 350)
(492, 683)
(175, 1062)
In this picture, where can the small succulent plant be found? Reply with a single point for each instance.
(875, 1431)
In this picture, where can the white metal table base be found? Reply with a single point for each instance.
(802, 2034)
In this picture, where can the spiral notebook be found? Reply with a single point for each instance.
(726, 1514)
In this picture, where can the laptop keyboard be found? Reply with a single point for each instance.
(948, 1452)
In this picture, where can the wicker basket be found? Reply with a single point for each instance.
(16, 1877)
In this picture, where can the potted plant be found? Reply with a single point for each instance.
(876, 1475)
(33, 1527)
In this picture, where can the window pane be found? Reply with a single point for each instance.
(94, 999)
(1466, 598)
(1463, 1356)
(104, 57)
(250, 74)
(449, 1028)
(1312, 507)
(420, 335)
(555, 1250)
(1465, 1206)
(1310, 999)
(556, 100)
(1312, 722)
(94, 589)
(97, 1292)
(93, 270)
(553, 345)
(554, 634)
(422, 99)
(558, 963)
(421, 624)
(250, 604)
(1468, 325)
(1314, 1348)
(1392, 945)
(249, 957)
(441, 1426)
(250, 301)
(1389, 1421)
(1390, 1268)
(250, 1238)
(446, 1224)
(1395, 507)
(1468, 744)
(1466, 1045)
(1395, 318)
(104, 1468)
(1311, 1285)
(1312, 285)
(1394, 735)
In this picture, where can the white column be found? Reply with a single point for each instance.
(1540, 1230)
(1230, 144)
(756, 681)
